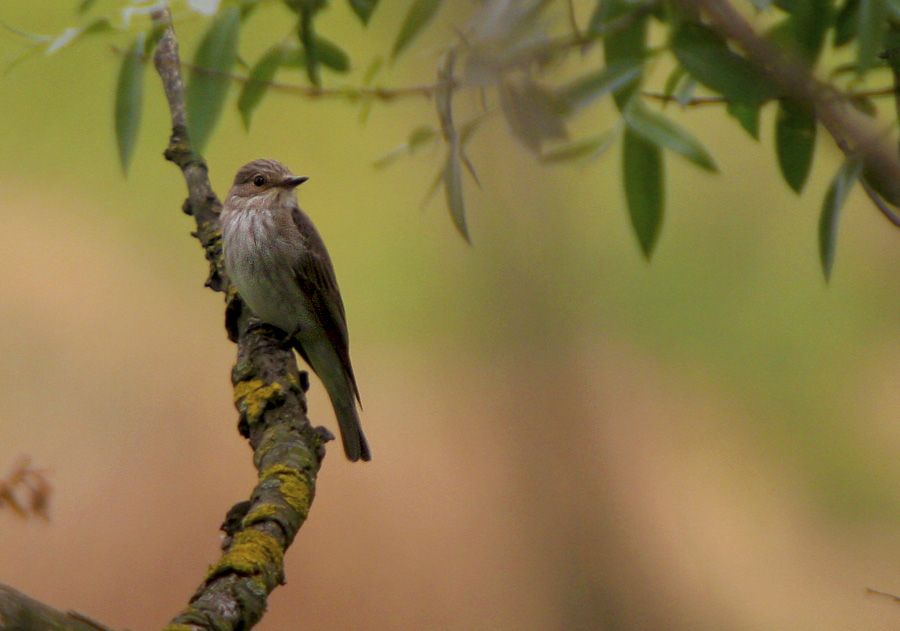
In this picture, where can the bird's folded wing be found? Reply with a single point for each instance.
(315, 278)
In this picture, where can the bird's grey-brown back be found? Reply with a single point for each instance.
(279, 264)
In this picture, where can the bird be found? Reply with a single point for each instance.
(276, 259)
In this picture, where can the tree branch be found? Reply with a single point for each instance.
(18, 611)
(268, 393)
(850, 129)
(700, 101)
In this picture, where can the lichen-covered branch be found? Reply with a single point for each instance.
(268, 393)
(18, 612)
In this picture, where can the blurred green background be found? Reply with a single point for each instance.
(564, 436)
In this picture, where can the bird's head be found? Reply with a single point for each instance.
(267, 180)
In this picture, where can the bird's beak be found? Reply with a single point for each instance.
(293, 181)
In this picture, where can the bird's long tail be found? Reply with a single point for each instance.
(355, 445)
(322, 359)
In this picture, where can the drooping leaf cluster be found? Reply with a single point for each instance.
(508, 52)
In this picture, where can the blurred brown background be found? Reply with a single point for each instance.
(564, 436)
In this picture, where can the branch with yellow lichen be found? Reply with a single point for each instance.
(269, 395)
(18, 611)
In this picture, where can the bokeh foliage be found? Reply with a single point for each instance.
(509, 52)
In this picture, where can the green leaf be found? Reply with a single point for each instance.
(258, 82)
(642, 171)
(372, 70)
(625, 24)
(451, 174)
(420, 13)
(328, 54)
(363, 9)
(18, 59)
(586, 148)
(795, 139)
(846, 22)
(685, 92)
(129, 98)
(534, 114)
(418, 137)
(747, 115)
(454, 192)
(391, 156)
(665, 133)
(808, 23)
(332, 56)
(85, 5)
(711, 62)
(310, 46)
(443, 97)
(433, 187)
(831, 209)
(208, 83)
(34, 37)
(610, 79)
(467, 131)
(152, 39)
(248, 7)
(672, 82)
(884, 187)
(469, 166)
(365, 109)
(421, 135)
(73, 34)
(872, 19)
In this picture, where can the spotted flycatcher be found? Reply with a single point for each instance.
(279, 264)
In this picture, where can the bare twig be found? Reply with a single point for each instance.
(353, 93)
(269, 395)
(875, 592)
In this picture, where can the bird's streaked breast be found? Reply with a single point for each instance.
(258, 259)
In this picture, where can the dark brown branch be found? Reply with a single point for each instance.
(269, 394)
(425, 90)
(851, 130)
(875, 592)
(528, 55)
(351, 93)
(18, 611)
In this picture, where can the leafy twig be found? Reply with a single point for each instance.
(794, 80)
(700, 101)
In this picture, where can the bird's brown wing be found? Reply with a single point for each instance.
(315, 278)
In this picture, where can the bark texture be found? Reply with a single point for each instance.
(18, 612)
(268, 393)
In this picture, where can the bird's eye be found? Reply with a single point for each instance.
(259, 180)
